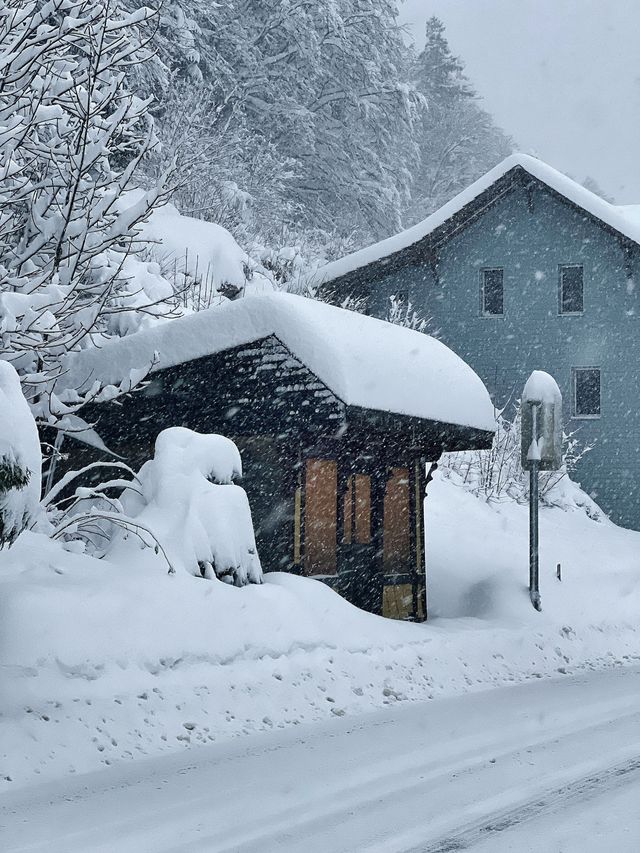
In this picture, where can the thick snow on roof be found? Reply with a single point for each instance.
(624, 218)
(364, 361)
(631, 212)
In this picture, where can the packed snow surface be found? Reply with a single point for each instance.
(623, 218)
(365, 361)
(545, 767)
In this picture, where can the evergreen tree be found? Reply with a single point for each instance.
(458, 140)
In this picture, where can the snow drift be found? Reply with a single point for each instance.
(104, 661)
(20, 461)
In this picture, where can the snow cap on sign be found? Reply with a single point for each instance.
(541, 387)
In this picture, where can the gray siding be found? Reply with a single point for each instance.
(530, 238)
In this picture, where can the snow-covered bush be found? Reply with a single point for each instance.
(186, 496)
(20, 460)
(199, 262)
(72, 139)
(496, 474)
(402, 312)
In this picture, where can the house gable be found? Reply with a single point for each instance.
(421, 243)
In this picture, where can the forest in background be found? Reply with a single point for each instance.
(297, 123)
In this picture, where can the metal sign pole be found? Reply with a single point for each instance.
(541, 450)
(534, 584)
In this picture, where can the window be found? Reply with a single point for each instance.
(492, 292)
(586, 392)
(571, 289)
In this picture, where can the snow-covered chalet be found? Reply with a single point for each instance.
(524, 270)
(336, 415)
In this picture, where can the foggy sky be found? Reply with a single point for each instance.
(561, 76)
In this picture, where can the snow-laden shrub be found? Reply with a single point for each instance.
(20, 460)
(402, 312)
(186, 496)
(496, 474)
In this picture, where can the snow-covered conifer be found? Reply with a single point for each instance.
(457, 140)
(316, 110)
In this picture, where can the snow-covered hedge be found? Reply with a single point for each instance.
(187, 498)
(20, 460)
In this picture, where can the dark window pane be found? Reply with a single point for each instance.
(587, 391)
(492, 292)
(571, 290)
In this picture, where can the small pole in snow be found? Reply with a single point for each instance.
(559, 572)
(541, 450)
(534, 458)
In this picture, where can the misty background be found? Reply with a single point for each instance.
(561, 76)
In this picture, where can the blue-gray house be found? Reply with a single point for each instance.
(525, 270)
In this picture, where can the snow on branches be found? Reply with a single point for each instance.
(72, 138)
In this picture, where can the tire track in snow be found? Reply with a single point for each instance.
(302, 821)
(585, 788)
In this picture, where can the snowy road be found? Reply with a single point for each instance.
(546, 766)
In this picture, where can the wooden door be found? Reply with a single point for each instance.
(320, 517)
(398, 590)
(397, 522)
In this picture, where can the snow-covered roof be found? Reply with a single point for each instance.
(364, 361)
(623, 218)
(631, 213)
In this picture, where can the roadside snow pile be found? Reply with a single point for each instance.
(104, 661)
(20, 460)
(478, 564)
(185, 495)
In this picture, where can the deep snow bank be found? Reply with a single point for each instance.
(20, 462)
(102, 662)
